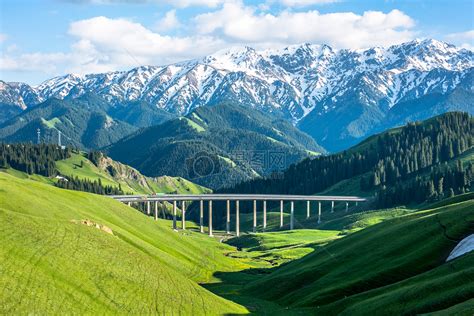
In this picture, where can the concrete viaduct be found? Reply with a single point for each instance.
(209, 198)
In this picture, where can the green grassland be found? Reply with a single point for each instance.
(380, 267)
(52, 263)
(198, 128)
(380, 261)
(72, 167)
(83, 253)
(130, 179)
(275, 248)
(51, 123)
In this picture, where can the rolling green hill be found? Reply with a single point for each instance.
(395, 264)
(83, 253)
(88, 254)
(95, 255)
(423, 250)
(90, 172)
(216, 146)
(114, 173)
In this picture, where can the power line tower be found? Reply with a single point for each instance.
(38, 132)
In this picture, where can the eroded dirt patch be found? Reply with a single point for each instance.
(90, 223)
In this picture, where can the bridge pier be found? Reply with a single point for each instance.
(174, 215)
(264, 215)
(254, 216)
(210, 218)
(237, 218)
(227, 223)
(201, 215)
(319, 212)
(183, 215)
(292, 215)
(281, 213)
(143, 203)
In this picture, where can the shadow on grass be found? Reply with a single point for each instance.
(232, 286)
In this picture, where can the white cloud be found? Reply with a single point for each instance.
(189, 3)
(104, 44)
(44, 62)
(238, 23)
(169, 22)
(175, 3)
(303, 3)
(122, 40)
(463, 39)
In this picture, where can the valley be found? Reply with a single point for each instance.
(237, 157)
(237, 141)
(124, 260)
(138, 264)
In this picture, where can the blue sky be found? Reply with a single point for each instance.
(41, 39)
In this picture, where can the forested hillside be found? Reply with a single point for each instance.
(216, 146)
(90, 172)
(82, 122)
(400, 157)
(29, 158)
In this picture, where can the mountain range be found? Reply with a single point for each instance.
(216, 146)
(337, 96)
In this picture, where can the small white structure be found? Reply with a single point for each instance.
(61, 178)
(466, 245)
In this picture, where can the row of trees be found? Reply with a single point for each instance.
(96, 186)
(95, 157)
(40, 159)
(445, 181)
(421, 146)
(384, 160)
(32, 159)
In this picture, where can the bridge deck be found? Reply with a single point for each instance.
(183, 198)
(235, 197)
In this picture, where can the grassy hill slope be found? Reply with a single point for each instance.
(95, 255)
(84, 253)
(396, 266)
(113, 173)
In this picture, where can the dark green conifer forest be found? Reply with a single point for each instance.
(40, 159)
(32, 159)
(402, 165)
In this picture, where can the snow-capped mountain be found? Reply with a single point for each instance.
(294, 81)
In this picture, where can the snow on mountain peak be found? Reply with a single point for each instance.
(296, 79)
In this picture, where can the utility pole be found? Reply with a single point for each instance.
(38, 132)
